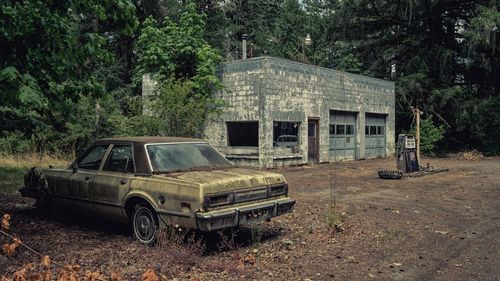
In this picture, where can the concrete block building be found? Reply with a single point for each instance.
(288, 113)
(282, 113)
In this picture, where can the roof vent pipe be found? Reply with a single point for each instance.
(244, 38)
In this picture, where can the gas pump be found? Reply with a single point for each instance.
(407, 162)
(406, 154)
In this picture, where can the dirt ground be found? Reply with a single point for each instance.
(444, 226)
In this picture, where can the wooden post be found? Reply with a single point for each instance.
(417, 133)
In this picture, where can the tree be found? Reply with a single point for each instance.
(177, 55)
(52, 52)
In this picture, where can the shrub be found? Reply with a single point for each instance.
(430, 135)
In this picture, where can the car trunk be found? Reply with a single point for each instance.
(216, 181)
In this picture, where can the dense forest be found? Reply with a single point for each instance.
(70, 71)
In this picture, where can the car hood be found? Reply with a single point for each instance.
(214, 181)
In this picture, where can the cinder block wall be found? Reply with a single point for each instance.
(242, 81)
(296, 91)
(267, 89)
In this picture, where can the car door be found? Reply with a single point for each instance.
(110, 185)
(75, 192)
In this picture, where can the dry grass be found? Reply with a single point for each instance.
(32, 160)
(13, 167)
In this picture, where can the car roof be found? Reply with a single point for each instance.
(146, 140)
(140, 154)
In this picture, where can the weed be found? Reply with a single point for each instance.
(256, 233)
(335, 220)
(179, 247)
(227, 240)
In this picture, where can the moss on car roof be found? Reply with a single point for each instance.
(145, 140)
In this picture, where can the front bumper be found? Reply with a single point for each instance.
(243, 215)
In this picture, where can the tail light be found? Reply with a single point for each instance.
(216, 200)
(277, 190)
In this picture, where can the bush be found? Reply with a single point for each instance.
(430, 135)
(182, 111)
(16, 142)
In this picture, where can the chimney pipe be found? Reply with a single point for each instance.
(244, 38)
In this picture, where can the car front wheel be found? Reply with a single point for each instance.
(145, 224)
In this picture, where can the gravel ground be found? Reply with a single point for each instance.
(348, 225)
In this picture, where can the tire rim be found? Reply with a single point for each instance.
(144, 225)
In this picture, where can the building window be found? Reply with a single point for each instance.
(374, 130)
(340, 130)
(243, 133)
(349, 129)
(285, 134)
(332, 130)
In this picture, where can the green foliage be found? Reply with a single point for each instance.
(63, 60)
(182, 111)
(16, 142)
(177, 55)
(52, 53)
(430, 135)
(178, 50)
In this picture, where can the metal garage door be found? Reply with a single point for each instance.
(375, 138)
(342, 135)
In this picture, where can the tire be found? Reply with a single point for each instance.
(390, 175)
(145, 224)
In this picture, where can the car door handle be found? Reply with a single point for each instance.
(87, 178)
(123, 181)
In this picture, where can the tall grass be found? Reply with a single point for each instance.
(13, 167)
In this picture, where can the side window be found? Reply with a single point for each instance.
(120, 159)
(92, 160)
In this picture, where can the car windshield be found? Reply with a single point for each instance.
(184, 156)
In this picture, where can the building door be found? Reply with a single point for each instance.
(312, 141)
(342, 135)
(375, 135)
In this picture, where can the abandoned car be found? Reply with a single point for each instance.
(156, 181)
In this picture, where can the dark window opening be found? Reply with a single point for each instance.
(332, 130)
(285, 134)
(243, 133)
(373, 130)
(367, 130)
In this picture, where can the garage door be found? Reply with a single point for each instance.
(342, 135)
(375, 138)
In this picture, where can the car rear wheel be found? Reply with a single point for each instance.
(145, 223)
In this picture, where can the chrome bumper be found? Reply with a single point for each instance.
(243, 215)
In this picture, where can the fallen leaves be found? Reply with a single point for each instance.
(69, 273)
(248, 260)
(46, 261)
(10, 248)
(6, 221)
(150, 275)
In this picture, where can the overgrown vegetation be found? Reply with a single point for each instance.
(430, 136)
(13, 167)
(70, 71)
